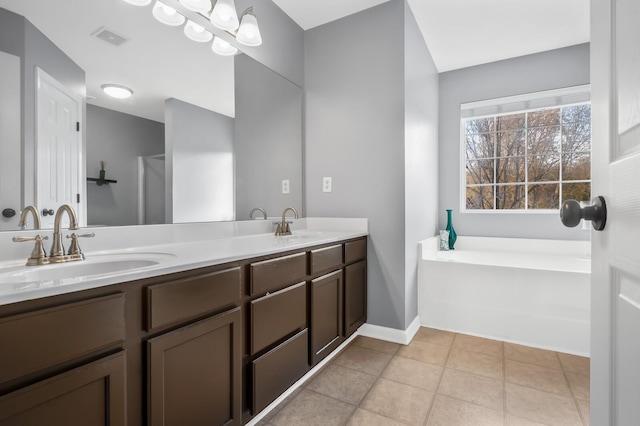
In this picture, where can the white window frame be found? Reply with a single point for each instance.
(565, 97)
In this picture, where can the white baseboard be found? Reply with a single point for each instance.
(394, 335)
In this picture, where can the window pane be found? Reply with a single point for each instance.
(480, 125)
(581, 113)
(510, 144)
(576, 137)
(543, 140)
(480, 197)
(480, 146)
(510, 170)
(510, 197)
(479, 171)
(545, 117)
(576, 166)
(545, 196)
(576, 191)
(513, 121)
(543, 167)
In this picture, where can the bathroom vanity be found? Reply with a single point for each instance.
(203, 344)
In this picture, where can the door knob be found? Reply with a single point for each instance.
(47, 212)
(571, 213)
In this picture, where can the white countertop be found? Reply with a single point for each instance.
(137, 252)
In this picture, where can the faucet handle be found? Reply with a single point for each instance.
(74, 247)
(38, 255)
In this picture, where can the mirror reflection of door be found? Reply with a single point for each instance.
(58, 148)
(10, 170)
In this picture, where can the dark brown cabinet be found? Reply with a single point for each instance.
(326, 315)
(355, 297)
(91, 395)
(194, 373)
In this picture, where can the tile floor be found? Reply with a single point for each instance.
(442, 379)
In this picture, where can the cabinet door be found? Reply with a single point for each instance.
(355, 297)
(91, 395)
(326, 315)
(194, 373)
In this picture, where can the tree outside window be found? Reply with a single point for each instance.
(528, 160)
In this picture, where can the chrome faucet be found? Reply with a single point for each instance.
(283, 226)
(23, 217)
(57, 254)
(258, 209)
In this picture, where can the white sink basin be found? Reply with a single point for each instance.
(82, 269)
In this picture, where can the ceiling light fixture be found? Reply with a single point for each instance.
(223, 15)
(117, 91)
(223, 48)
(249, 32)
(167, 15)
(197, 32)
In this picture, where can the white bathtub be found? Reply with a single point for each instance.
(526, 291)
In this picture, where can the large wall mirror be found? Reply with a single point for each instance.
(203, 138)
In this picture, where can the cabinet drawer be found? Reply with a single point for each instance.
(47, 337)
(171, 302)
(276, 315)
(326, 258)
(278, 369)
(355, 250)
(274, 274)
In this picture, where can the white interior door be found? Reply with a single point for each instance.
(615, 78)
(58, 147)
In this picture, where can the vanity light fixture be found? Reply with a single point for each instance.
(138, 2)
(249, 32)
(224, 15)
(167, 15)
(197, 32)
(117, 91)
(200, 6)
(223, 48)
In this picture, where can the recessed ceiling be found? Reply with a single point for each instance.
(463, 33)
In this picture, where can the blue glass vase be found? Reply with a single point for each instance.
(452, 232)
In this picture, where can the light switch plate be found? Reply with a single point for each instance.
(326, 184)
(285, 186)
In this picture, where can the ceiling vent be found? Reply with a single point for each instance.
(109, 36)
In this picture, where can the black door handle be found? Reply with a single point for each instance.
(47, 212)
(571, 213)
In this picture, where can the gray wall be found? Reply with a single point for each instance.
(421, 154)
(199, 164)
(268, 135)
(355, 126)
(543, 71)
(282, 40)
(117, 139)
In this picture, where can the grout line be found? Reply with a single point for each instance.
(573, 395)
(444, 368)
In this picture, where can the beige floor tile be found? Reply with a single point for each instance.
(415, 373)
(432, 335)
(448, 411)
(398, 401)
(343, 383)
(585, 406)
(478, 344)
(580, 386)
(424, 352)
(367, 418)
(476, 362)
(271, 414)
(472, 388)
(535, 356)
(363, 359)
(518, 421)
(542, 407)
(575, 364)
(376, 344)
(534, 376)
(311, 409)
